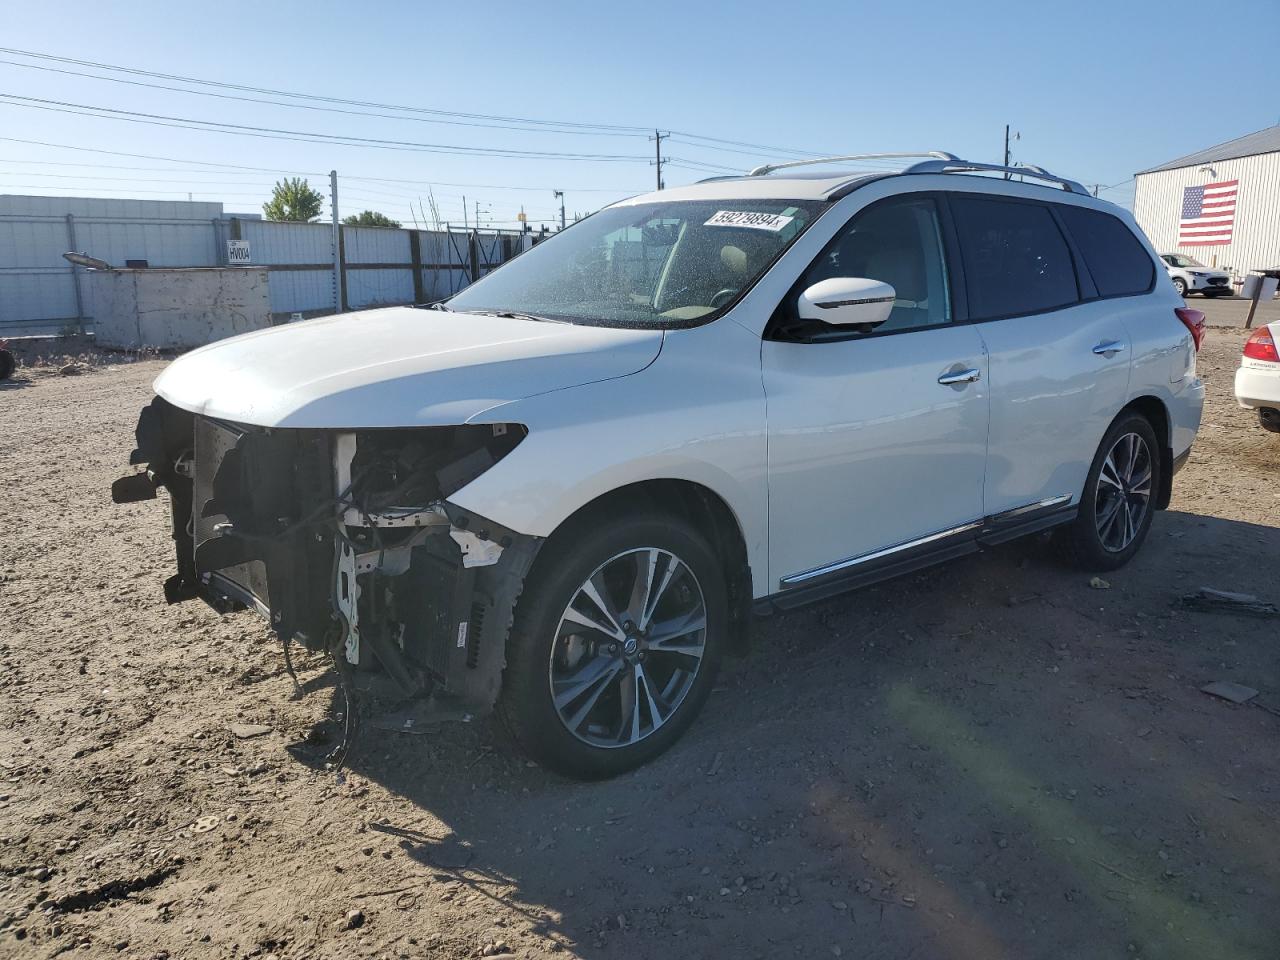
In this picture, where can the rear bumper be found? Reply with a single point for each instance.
(1258, 387)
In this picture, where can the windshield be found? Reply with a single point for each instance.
(652, 264)
(1178, 260)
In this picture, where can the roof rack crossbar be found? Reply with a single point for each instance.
(956, 165)
(938, 155)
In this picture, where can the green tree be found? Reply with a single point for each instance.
(370, 218)
(293, 199)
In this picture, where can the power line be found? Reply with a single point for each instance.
(133, 71)
(485, 186)
(300, 136)
(275, 171)
(148, 156)
(496, 121)
(309, 106)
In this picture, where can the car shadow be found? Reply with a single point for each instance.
(999, 757)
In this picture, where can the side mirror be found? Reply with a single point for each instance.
(848, 302)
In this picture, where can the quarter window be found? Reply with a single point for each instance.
(1016, 259)
(1118, 263)
(898, 242)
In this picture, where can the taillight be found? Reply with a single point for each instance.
(1193, 320)
(1262, 346)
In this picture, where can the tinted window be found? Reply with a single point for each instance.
(1115, 258)
(1016, 260)
(898, 242)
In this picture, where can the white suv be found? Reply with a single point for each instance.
(564, 491)
(1189, 275)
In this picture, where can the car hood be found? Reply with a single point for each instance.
(1203, 271)
(395, 367)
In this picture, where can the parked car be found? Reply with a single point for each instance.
(1258, 379)
(564, 491)
(1189, 275)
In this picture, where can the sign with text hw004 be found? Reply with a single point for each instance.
(238, 253)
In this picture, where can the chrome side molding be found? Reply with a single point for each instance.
(798, 579)
(1017, 513)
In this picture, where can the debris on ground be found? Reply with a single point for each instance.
(1099, 584)
(353, 920)
(1209, 600)
(1225, 689)
(247, 731)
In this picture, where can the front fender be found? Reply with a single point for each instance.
(696, 414)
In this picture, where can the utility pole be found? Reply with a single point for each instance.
(1007, 155)
(657, 139)
(464, 213)
(337, 240)
(477, 214)
(560, 195)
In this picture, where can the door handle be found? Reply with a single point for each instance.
(1108, 348)
(960, 376)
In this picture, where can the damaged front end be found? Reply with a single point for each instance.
(346, 542)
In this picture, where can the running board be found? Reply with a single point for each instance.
(824, 582)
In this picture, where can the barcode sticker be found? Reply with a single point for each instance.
(772, 222)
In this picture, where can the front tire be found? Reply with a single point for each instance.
(615, 644)
(1118, 502)
(1180, 286)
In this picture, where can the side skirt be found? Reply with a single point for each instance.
(895, 562)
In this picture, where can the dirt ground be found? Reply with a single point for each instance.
(989, 760)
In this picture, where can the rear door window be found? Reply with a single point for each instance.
(1015, 258)
(1118, 263)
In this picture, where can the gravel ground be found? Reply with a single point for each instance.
(989, 760)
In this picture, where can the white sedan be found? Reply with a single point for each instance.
(1258, 379)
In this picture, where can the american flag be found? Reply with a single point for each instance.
(1208, 213)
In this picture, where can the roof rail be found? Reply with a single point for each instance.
(939, 162)
(956, 165)
(938, 155)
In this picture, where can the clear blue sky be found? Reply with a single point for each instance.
(1097, 91)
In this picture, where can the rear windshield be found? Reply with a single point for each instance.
(650, 265)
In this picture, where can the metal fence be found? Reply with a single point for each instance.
(41, 293)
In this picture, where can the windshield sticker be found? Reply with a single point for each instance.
(754, 221)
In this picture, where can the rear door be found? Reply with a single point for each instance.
(1059, 355)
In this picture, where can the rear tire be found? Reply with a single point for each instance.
(591, 692)
(1269, 417)
(1119, 497)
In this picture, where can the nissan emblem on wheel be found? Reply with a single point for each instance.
(561, 494)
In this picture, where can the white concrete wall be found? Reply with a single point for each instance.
(177, 309)
(1255, 240)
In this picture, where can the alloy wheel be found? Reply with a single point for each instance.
(1123, 494)
(628, 648)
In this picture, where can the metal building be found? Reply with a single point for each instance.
(1220, 205)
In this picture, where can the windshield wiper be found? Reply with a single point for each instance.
(512, 315)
